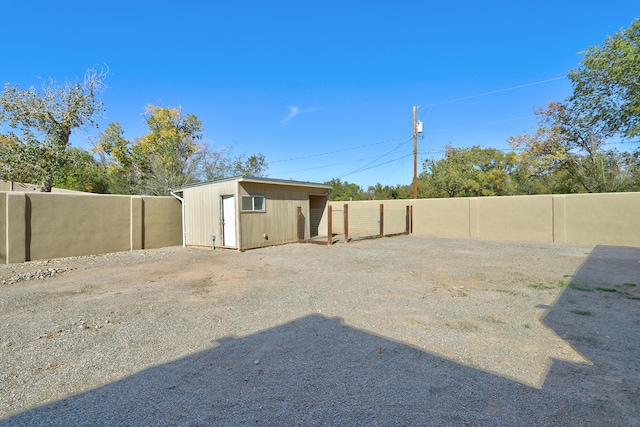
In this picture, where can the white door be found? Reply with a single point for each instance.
(229, 221)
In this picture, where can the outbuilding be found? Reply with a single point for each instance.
(248, 212)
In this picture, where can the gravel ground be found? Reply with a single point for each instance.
(407, 330)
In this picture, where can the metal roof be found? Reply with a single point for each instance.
(259, 180)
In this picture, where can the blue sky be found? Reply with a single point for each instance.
(322, 89)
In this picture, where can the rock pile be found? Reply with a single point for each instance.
(36, 275)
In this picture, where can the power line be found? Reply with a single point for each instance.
(322, 167)
(424, 111)
(339, 151)
(363, 168)
(483, 124)
(495, 91)
(372, 164)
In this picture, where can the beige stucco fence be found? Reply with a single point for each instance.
(607, 219)
(49, 225)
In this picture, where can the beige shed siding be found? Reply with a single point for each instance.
(202, 212)
(279, 221)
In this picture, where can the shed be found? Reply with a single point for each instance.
(248, 212)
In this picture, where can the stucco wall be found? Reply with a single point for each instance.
(46, 225)
(609, 219)
(162, 221)
(364, 217)
(3, 227)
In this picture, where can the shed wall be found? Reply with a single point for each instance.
(280, 220)
(202, 212)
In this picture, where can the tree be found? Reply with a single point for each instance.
(467, 172)
(378, 192)
(169, 156)
(117, 159)
(221, 164)
(606, 85)
(343, 191)
(570, 146)
(83, 173)
(41, 122)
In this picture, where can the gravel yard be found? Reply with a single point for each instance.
(407, 330)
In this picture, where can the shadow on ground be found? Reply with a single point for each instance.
(318, 371)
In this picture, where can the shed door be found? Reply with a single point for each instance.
(228, 221)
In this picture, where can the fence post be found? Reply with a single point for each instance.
(346, 223)
(18, 228)
(330, 226)
(411, 219)
(381, 220)
(300, 227)
(407, 224)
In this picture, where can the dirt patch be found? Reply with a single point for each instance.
(459, 315)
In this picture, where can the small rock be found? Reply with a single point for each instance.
(255, 362)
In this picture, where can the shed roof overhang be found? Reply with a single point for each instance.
(270, 181)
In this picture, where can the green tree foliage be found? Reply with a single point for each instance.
(83, 173)
(40, 122)
(119, 162)
(343, 191)
(378, 192)
(568, 153)
(606, 85)
(467, 172)
(168, 156)
(222, 163)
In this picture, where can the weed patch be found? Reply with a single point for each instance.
(629, 284)
(588, 340)
(541, 286)
(581, 312)
(494, 319)
(579, 288)
(606, 289)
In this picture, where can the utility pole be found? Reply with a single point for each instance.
(415, 155)
(417, 128)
